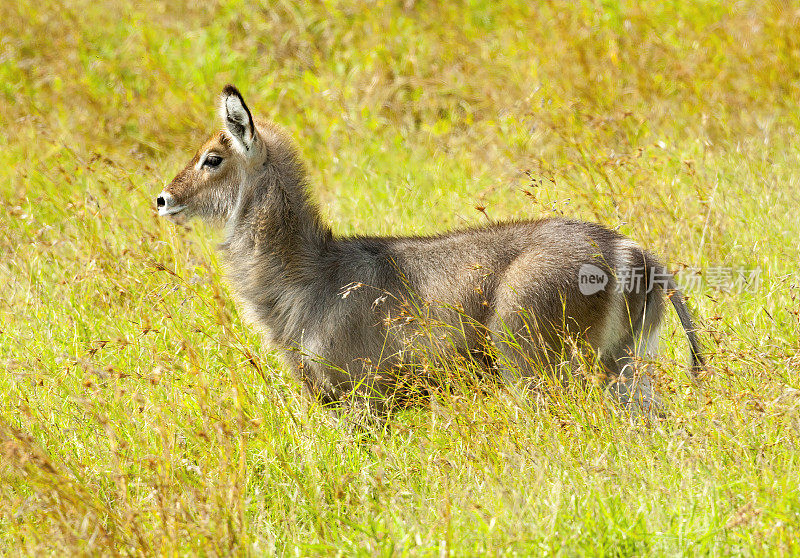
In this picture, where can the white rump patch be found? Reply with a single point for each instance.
(614, 330)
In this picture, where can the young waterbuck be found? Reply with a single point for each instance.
(523, 300)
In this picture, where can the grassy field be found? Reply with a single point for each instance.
(140, 416)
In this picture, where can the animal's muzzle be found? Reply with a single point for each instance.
(167, 205)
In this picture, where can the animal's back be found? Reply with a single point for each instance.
(470, 267)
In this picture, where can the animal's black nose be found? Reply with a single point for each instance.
(160, 202)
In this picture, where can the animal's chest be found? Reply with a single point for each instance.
(349, 339)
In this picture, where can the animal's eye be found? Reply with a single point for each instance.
(212, 161)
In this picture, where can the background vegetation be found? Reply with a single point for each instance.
(139, 416)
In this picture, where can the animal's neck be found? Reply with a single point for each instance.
(276, 241)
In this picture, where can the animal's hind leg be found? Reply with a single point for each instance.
(626, 358)
(630, 378)
(629, 382)
(523, 359)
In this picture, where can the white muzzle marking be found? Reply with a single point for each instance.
(166, 204)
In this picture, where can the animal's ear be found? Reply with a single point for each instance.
(237, 118)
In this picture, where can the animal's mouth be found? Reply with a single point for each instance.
(172, 210)
(167, 206)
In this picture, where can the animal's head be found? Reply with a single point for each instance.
(211, 183)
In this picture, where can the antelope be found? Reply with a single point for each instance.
(521, 299)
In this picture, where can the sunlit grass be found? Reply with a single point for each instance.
(139, 415)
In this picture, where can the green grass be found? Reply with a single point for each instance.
(139, 415)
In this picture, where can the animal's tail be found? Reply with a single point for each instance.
(676, 297)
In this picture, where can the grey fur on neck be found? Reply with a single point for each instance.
(275, 239)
